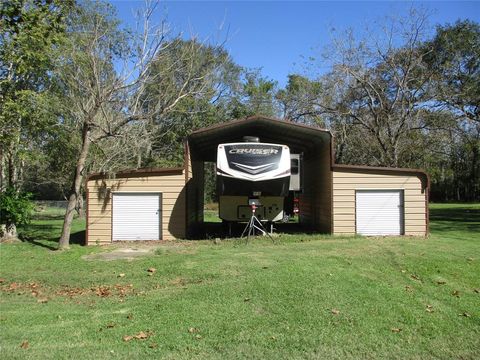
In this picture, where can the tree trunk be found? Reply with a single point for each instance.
(8, 231)
(472, 196)
(64, 241)
(80, 206)
(2, 171)
(12, 171)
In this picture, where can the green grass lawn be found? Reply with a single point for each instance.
(308, 296)
(211, 216)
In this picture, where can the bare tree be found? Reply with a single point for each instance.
(106, 73)
(379, 86)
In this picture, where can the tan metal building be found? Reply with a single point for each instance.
(154, 204)
(146, 204)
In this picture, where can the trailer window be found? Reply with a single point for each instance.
(294, 166)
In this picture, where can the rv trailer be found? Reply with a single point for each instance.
(252, 170)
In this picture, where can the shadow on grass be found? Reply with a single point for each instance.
(41, 235)
(78, 237)
(211, 230)
(49, 217)
(455, 219)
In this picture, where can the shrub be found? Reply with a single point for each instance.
(15, 209)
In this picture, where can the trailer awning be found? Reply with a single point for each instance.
(300, 138)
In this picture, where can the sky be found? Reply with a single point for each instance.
(280, 36)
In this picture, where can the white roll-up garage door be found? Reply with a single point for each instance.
(379, 212)
(136, 216)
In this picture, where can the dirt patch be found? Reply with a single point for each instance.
(148, 244)
(43, 293)
(101, 291)
(121, 254)
(125, 251)
(10, 240)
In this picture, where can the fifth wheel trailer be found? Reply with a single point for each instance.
(252, 170)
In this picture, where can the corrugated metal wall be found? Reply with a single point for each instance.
(172, 187)
(195, 197)
(346, 182)
(316, 199)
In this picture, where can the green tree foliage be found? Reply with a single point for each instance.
(30, 31)
(15, 209)
(258, 95)
(299, 100)
(454, 56)
(49, 173)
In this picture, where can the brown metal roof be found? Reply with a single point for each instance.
(385, 170)
(300, 138)
(138, 173)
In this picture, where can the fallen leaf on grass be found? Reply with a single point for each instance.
(13, 286)
(25, 344)
(151, 270)
(335, 311)
(403, 271)
(72, 292)
(121, 275)
(102, 291)
(198, 336)
(140, 336)
(396, 330)
(456, 293)
(429, 309)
